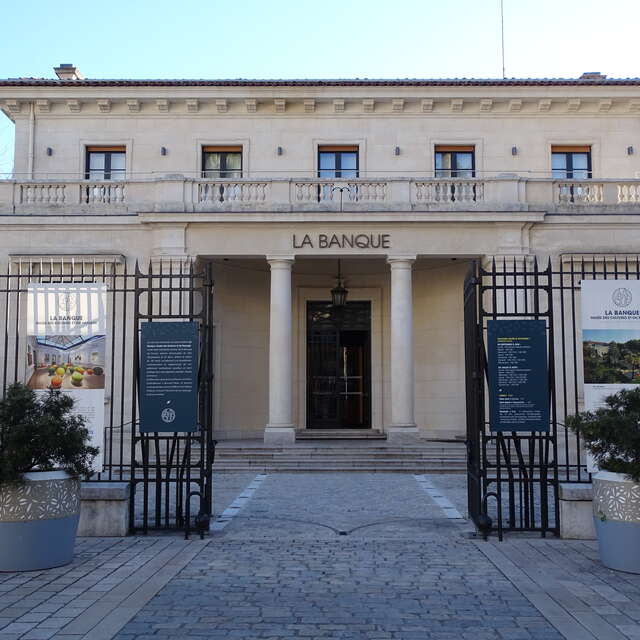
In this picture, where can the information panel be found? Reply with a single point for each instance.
(168, 377)
(518, 375)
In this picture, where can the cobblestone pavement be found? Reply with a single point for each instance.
(340, 556)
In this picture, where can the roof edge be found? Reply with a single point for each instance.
(355, 82)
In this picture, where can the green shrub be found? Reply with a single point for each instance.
(39, 433)
(612, 433)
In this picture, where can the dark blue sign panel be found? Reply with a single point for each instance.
(518, 375)
(168, 376)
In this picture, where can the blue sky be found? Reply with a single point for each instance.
(610, 335)
(331, 38)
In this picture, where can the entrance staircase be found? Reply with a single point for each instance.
(363, 452)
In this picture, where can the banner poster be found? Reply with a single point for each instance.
(610, 340)
(66, 329)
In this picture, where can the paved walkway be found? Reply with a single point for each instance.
(340, 556)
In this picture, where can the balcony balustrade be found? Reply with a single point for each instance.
(176, 193)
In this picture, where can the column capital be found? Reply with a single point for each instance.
(401, 261)
(280, 262)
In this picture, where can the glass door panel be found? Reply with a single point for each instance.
(338, 366)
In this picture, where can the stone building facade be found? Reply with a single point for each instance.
(395, 185)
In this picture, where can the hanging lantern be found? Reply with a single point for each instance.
(339, 292)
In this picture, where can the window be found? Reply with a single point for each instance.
(571, 162)
(222, 162)
(338, 161)
(105, 163)
(455, 161)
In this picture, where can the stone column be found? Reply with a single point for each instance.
(280, 428)
(403, 423)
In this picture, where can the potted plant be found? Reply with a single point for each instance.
(43, 451)
(612, 435)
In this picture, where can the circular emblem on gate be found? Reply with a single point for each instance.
(622, 297)
(168, 415)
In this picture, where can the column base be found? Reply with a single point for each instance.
(279, 435)
(402, 433)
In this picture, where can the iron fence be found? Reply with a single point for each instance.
(513, 478)
(169, 473)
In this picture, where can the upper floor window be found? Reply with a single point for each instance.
(338, 161)
(222, 162)
(105, 163)
(571, 162)
(455, 161)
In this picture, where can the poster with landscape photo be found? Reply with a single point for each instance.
(611, 356)
(610, 338)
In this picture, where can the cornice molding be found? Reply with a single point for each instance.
(299, 106)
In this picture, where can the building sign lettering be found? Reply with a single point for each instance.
(342, 241)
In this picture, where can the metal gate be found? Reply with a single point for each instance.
(170, 474)
(513, 478)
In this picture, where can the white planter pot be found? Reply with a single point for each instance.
(616, 515)
(38, 521)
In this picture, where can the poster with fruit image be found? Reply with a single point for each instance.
(66, 331)
(66, 362)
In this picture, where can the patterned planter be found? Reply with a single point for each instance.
(38, 521)
(616, 514)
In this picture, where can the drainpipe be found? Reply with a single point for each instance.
(32, 130)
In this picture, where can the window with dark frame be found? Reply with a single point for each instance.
(571, 161)
(222, 161)
(455, 161)
(105, 163)
(338, 161)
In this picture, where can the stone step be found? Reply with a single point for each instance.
(338, 450)
(410, 469)
(352, 464)
(341, 461)
(422, 457)
(340, 434)
(316, 451)
(342, 455)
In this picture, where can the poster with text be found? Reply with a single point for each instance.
(66, 329)
(610, 339)
(168, 392)
(518, 375)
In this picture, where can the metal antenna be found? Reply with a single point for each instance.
(502, 32)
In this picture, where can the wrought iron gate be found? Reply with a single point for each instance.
(170, 474)
(513, 478)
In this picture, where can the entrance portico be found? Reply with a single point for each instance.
(268, 366)
(281, 427)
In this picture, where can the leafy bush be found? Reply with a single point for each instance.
(39, 433)
(612, 433)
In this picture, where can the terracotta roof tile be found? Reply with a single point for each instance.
(355, 82)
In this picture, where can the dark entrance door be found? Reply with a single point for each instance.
(339, 366)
